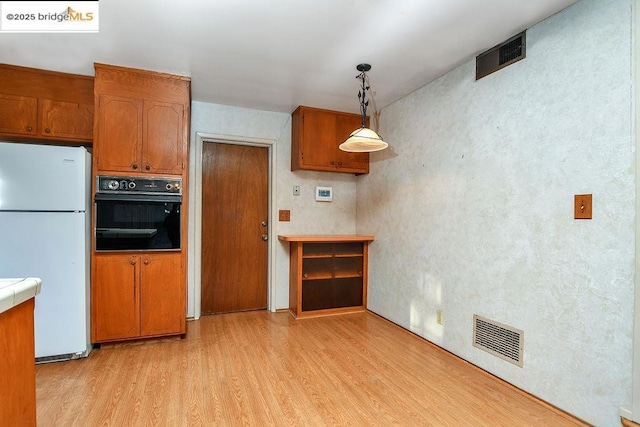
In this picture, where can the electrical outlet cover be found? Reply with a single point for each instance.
(284, 215)
(582, 206)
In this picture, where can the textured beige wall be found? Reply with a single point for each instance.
(307, 215)
(473, 210)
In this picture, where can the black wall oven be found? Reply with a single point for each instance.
(134, 213)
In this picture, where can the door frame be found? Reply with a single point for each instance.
(633, 413)
(195, 243)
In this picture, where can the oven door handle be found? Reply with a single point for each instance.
(168, 198)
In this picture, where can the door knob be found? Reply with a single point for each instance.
(264, 223)
(265, 237)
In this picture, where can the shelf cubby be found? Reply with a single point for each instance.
(328, 274)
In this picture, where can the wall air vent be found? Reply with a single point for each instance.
(500, 340)
(498, 57)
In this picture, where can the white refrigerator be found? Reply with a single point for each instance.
(44, 232)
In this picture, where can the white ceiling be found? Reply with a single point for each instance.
(278, 54)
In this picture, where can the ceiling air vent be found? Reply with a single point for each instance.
(513, 50)
(500, 340)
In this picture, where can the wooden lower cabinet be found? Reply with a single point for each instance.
(137, 296)
(327, 274)
(17, 370)
(162, 295)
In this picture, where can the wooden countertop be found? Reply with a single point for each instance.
(325, 238)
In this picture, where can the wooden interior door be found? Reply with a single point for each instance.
(234, 227)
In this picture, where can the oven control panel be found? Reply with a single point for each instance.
(138, 185)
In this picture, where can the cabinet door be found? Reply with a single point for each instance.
(115, 296)
(162, 295)
(315, 137)
(349, 162)
(163, 138)
(318, 140)
(119, 139)
(68, 120)
(18, 114)
(17, 371)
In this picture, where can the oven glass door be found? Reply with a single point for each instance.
(124, 225)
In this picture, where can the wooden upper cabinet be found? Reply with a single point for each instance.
(18, 114)
(40, 105)
(67, 120)
(316, 135)
(345, 124)
(162, 150)
(120, 128)
(142, 121)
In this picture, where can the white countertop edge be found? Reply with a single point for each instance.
(15, 291)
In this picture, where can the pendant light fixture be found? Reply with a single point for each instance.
(363, 139)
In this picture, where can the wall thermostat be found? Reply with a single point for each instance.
(324, 194)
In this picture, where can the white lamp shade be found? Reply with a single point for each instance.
(363, 140)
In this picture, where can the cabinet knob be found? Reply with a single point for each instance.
(132, 261)
(148, 167)
(339, 163)
(332, 163)
(47, 130)
(146, 261)
(305, 275)
(265, 237)
(264, 223)
(134, 166)
(29, 128)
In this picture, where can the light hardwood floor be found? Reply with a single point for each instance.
(261, 368)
